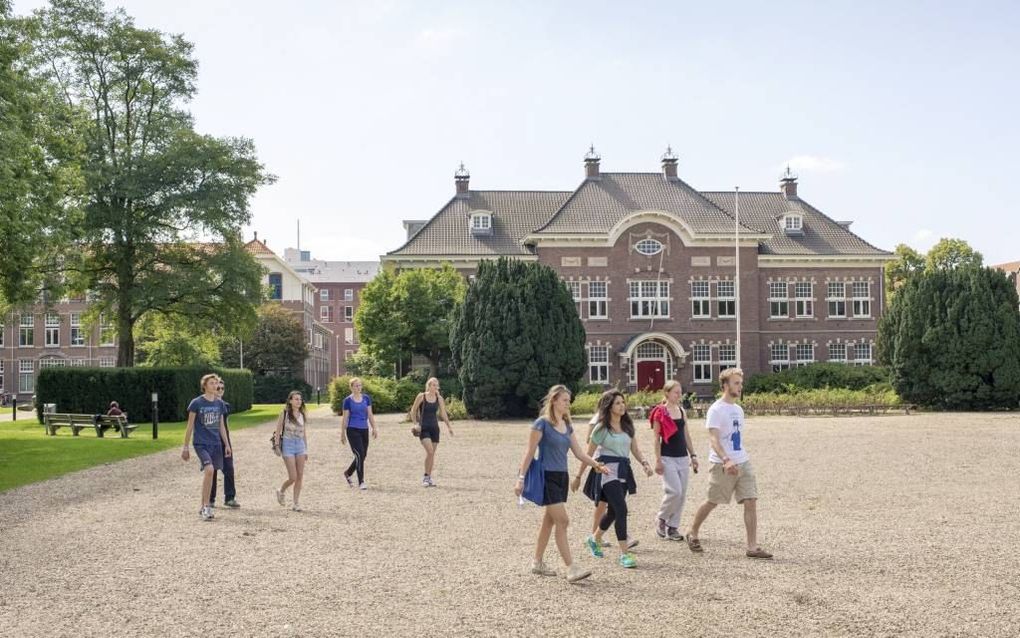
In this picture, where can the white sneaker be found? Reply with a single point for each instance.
(424, 481)
(577, 573)
(279, 497)
(295, 507)
(430, 482)
(539, 567)
(363, 487)
(206, 514)
(632, 543)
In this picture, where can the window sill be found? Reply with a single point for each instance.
(650, 318)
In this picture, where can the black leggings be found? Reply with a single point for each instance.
(615, 493)
(358, 438)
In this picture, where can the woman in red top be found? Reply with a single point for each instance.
(674, 454)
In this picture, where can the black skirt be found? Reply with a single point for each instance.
(556, 487)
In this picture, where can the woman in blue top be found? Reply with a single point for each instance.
(552, 434)
(355, 424)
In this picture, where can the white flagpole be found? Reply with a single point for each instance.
(736, 249)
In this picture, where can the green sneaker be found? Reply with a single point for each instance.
(627, 560)
(594, 547)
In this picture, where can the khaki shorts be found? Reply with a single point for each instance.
(722, 486)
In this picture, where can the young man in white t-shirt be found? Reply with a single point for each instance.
(730, 472)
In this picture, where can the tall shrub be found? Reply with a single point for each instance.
(516, 334)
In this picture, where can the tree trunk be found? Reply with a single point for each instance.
(125, 341)
(434, 365)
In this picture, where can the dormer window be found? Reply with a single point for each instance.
(793, 224)
(648, 247)
(481, 224)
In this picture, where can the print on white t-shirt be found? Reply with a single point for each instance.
(728, 418)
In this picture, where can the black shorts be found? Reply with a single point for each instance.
(429, 432)
(556, 487)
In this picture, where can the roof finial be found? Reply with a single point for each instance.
(591, 155)
(669, 155)
(462, 171)
(788, 175)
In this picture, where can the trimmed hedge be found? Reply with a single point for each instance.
(270, 389)
(817, 376)
(90, 390)
(389, 395)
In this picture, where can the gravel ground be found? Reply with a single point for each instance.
(889, 526)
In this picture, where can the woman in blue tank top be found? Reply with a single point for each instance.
(552, 435)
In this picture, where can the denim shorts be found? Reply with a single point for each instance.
(209, 455)
(294, 447)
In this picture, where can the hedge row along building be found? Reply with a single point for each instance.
(651, 263)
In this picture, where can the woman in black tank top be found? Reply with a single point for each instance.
(428, 407)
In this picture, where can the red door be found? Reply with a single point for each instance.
(651, 375)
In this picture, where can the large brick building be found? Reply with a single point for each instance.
(651, 263)
(58, 336)
(338, 293)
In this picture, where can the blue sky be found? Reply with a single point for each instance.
(901, 116)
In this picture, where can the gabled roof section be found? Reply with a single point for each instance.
(599, 204)
(514, 215)
(1011, 266)
(256, 247)
(821, 236)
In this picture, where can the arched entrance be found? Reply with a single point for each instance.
(651, 359)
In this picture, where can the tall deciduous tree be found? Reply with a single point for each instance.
(952, 340)
(169, 341)
(908, 263)
(165, 205)
(516, 334)
(949, 254)
(277, 345)
(40, 181)
(409, 313)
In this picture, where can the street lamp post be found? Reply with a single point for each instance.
(155, 416)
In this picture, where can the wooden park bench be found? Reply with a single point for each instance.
(79, 422)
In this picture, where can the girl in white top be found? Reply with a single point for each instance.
(291, 438)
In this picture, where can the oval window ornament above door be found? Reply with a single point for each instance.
(648, 247)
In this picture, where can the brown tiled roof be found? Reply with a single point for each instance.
(514, 215)
(822, 235)
(1011, 266)
(599, 204)
(257, 247)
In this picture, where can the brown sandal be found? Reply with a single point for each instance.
(758, 553)
(694, 544)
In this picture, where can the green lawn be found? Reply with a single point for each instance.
(28, 455)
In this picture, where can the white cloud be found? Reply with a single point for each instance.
(923, 239)
(437, 38)
(813, 164)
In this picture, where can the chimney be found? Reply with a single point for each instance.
(591, 163)
(669, 161)
(788, 184)
(256, 235)
(462, 178)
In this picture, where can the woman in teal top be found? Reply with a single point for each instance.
(614, 436)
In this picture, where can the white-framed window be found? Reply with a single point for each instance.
(323, 294)
(598, 300)
(862, 354)
(326, 314)
(702, 358)
(793, 222)
(52, 363)
(648, 247)
(836, 296)
(348, 294)
(77, 363)
(726, 291)
(107, 333)
(77, 332)
(861, 298)
(349, 336)
(649, 299)
(701, 305)
(26, 375)
(598, 364)
(805, 353)
(575, 293)
(348, 314)
(348, 354)
(481, 221)
(727, 356)
(318, 341)
(837, 352)
(804, 292)
(779, 356)
(779, 300)
(107, 362)
(26, 332)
